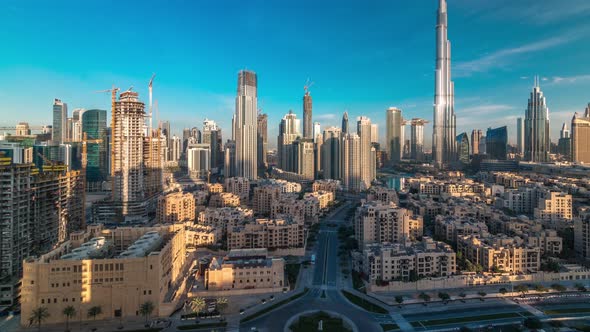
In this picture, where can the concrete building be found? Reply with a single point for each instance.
(307, 115)
(582, 237)
(383, 195)
(393, 136)
(405, 261)
(116, 269)
(176, 207)
(581, 137)
(128, 157)
(238, 186)
(536, 127)
(175, 148)
(199, 160)
(288, 206)
(553, 206)
(230, 159)
(153, 165)
(366, 152)
(222, 218)
(303, 151)
(476, 135)
(564, 145)
(374, 133)
(211, 135)
(499, 254)
(520, 136)
(351, 163)
(444, 148)
(289, 131)
(246, 269)
(376, 222)
(60, 115)
(245, 125)
(417, 139)
(450, 228)
(224, 200)
(331, 153)
(23, 129)
(262, 140)
(272, 234)
(330, 185)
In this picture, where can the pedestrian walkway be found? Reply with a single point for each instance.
(401, 322)
(538, 313)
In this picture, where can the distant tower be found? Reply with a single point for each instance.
(351, 163)
(374, 133)
(262, 139)
(245, 125)
(564, 145)
(307, 112)
(331, 159)
(60, 118)
(345, 123)
(417, 139)
(476, 135)
(581, 137)
(317, 130)
(536, 127)
(367, 173)
(394, 144)
(463, 145)
(520, 136)
(128, 155)
(444, 146)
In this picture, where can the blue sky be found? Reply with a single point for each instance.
(364, 56)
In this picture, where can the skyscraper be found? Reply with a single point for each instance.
(289, 131)
(212, 135)
(60, 118)
(331, 159)
(393, 126)
(520, 136)
(307, 115)
(476, 135)
(351, 162)
(317, 130)
(374, 133)
(164, 127)
(564, 145)
(94, 124)
(245, 125)
(581, 137)
(262, 139)
(128, 155)
(367, 173)
(417, 139)
(444, 147)
(536, 127)
(345, 123)
(463, 147)
(497, 143)
(304, 157)
(198, 162)
(175, 148)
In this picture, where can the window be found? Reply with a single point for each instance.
(42, 301)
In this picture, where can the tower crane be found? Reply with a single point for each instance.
(113, 92)
(307, 86)
(150, 91)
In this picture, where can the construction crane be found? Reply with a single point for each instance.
(52, 165)
(113, 92)
(150, 90)
(307, 86)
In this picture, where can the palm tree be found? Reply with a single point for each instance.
(523, 289)
(146, 310)
(399, 299)
(69, 312)
(197, 304)
(38, 316)
(221, 303)
(94, 311)
(462, 295)
(482, 295)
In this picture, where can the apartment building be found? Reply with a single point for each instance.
(222, 199)
(375, 222)
(239, 186)
(450, 228)
(222, 218)
(501, 254)
(176, 207)
(272, 234)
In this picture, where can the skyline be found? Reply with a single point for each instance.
(492, 78)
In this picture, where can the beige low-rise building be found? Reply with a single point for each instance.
(117, 269)
(500, 254)
(407, 261)
(327, 185)
(582, 236)
(246, 269)
(554, 206)
(200, 235)
(224, 200)
(324, 198)
(176, 207)
(548, 240)
(376, 222)
(288, 205)
(273, 234)
(222, 218)
(263, 198)
(382, 194)
(214, 188)
(239, 186)
(449, 228)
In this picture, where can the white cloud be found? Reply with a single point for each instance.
(484, 109)
(328, 116)
(569, 79)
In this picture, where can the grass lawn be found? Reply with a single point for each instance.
(274, 306)
(364, 303)
(201, 326)
(389, 327)
(357, 282)
(444, 321)
(311, 322)
(567, 311)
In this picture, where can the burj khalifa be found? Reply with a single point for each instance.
(444, 147)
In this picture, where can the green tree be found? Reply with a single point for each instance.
(69, 312)
(523, 289)
(559, 287)
(424, 297)
(444, 296)
(482, 294)
(146, 309)
(38, 316)
(541, 288)
(399, 299)
(462, 295)
(197, 304)
(221, 303)
(503, 291)
(94, 311)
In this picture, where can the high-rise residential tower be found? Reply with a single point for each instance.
(289, 131)
(317, 130)
(128, 155)
(564, 145)
(331, 160)
(444, 146)
(212, 135)
(245, 125)
(262, 140)
(367, 172)
(393, 126)
(374, 133)
(345, 123)
(581, 137)
(94, 124)
(476, 135)
(303, 149)
(307, 115)
(60, 118)
(520, 136)
(536, 127)
(417, 139)
(351, 162)
(497, 143)
(463, 146)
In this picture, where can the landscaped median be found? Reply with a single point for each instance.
(274, 306)
(469, 319)
(567, 311)
(364, 303)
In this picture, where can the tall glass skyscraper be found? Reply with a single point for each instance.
(245, 125)
(94, 124)
(496, 143)
(394, 135)
(463, 147)
(60, 117)
(536, 127)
